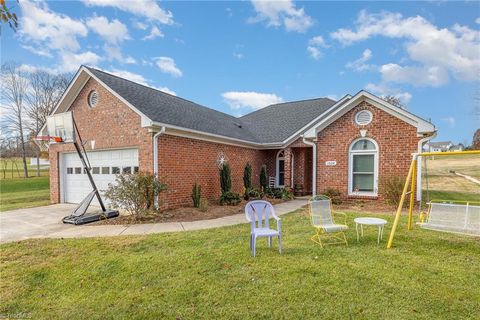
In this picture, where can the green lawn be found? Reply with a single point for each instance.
(210, 275)
(17, 192)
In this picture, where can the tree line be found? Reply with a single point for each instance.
(28, 96)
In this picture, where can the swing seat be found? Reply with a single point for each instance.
(453, 217)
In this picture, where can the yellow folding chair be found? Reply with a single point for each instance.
(321, 216)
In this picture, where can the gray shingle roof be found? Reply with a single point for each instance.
(278, 122)
(271, 124)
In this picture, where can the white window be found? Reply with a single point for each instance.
(363, 168)
(92, 98)
(364, 117)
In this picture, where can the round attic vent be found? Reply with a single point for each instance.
(364, 117)
(92, 98)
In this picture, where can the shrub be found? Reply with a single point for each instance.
(196, 194)
(253, 194)
(135, 192)
(230, 198)
(247, 177)
(279, 193)
(334, 194)
(263, 178)
(203, 205)
(392, 188)
(225, 178)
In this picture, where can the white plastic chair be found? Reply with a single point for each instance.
(258, 213)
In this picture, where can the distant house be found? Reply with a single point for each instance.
(441, 146)
(457, 147)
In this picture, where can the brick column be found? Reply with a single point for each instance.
(288, 167)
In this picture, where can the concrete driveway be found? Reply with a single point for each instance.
(46, 222)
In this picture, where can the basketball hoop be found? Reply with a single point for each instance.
(48, 138)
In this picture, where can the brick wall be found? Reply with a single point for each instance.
(396, 140)
(184, 161)
(110, 123)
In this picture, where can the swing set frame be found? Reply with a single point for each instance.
(410, 183)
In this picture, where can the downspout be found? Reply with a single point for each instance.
(421, 142)
(155, 157)
(314, 165)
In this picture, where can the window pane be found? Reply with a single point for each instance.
(363, 145)
(105, 170)
(362, 182)
(281, 179)
(127, 169)
(96, 170)
(78, 170)
(135, 169)
(69, 170)
(363, 163)
(115, 170)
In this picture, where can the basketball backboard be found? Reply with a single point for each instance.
(61, 125)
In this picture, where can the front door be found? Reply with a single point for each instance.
(280, 169)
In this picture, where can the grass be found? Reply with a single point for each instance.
(18, 192)
(210, 275)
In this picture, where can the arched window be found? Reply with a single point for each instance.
(280, 169)
(363, 168)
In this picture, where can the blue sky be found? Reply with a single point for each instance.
(240, 56)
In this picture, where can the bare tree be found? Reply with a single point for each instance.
(395, 101)
(14, 90)
(44, 92)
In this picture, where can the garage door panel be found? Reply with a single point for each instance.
(104, 164)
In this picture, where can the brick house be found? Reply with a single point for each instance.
(311, 144)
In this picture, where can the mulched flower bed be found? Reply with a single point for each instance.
(183, 214)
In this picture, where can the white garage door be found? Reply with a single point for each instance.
(105, 166)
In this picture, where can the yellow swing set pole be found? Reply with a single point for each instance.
(400, 205)
(412, 194)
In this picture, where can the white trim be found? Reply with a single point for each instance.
(292, 165)
(421, 125)
(375, 154)
(314, 164)
(421, 143)
(277, 169)
(155, 158)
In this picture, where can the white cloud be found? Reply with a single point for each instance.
(38, 51)
(48, 29)
(477, 21)
(360, 64)
(238, 55)
(140, 25)
(384, 90)
(314, 47)
(113, 32)
(154, 33)
(167, 65)
(437, 51)
(71, 61)
(249, 99)
(281, 13)
(450, 121)
(419, 76)
(114, 53)
(144, 8)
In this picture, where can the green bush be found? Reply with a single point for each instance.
(196, 194)
(135, 192)
(279, 193)
(225, 178)
(334, 194)
(253, 194)
(392, 188)
(230, 198)
(203, 205)
(247, 177)
(263, 179)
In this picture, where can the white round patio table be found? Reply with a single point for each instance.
(370, 222)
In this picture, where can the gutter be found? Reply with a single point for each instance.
(155, 157)
(421, 142)
(314, 165)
